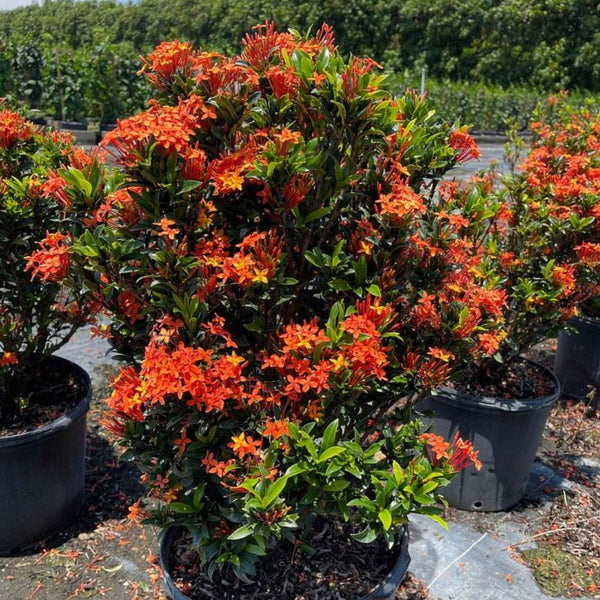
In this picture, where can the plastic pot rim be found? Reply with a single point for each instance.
(386, 590)
(450, 396)
(63, 421)
(581, 322)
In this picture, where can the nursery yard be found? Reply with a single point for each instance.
(103, 554)
(106, 554)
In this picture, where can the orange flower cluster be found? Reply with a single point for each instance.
(464, 145)
(169, 60)
(459, 453)
(356, 359)
(169, 127)
(51, 262)
(267, 46)
(14, 128)
(228, 173)
(401, 203)
(8, 358)
(563, 170)
(256, 260)
(118, 208)
(54, 188)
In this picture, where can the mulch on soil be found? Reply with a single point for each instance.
(49, 395)
(521, 380)
(335, 567)
(566, 559)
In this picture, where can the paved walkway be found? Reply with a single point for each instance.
(477, 558)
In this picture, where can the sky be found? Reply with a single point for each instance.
(8, 4)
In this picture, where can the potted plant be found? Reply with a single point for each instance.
(567, 155)
(541, 246)
(258, 264)
(43, 399)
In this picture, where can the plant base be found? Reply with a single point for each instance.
(42, 473)
(386, 590)
(507, 434)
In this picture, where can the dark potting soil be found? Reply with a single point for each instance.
(51, 394)
(516, 380)
(340, 569)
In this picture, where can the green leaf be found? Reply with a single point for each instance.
(296, 469)
(336, 486)
(366, 536)
(439, 520)
(330, 453)
(188, 186)
(314, 259)
(363, 503)
(255, 549)
(340, 285)
(181, 507)
(385, 516)
(242, 532)
(374, 290)
(398, 472)
(274, 491)
(317, 214)
(360, 269)
(330, 434)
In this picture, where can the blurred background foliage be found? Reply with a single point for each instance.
(486, 62)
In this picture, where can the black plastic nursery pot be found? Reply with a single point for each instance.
(577, 359)
(386, 590)
(507, 434)
(42, 472)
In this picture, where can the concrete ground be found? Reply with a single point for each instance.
(478, 558)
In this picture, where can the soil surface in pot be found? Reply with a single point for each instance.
(517, 380)
(340, 568)
(54, 392)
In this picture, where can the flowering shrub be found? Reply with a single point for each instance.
(546, 241)
(278, 275)
(37, 222)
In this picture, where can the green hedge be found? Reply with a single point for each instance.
(498, 48)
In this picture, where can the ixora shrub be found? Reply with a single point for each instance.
(38, 311)
(555, 225)
(541, 237)
(278, 275)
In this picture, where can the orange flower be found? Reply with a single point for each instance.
(465, 146)
(276, 429)
(8, 358)
(182, 442)
(459, 453)
(134, 515)
(130, 305)
(243, 445)
(588, 253)
(402, 202)
(52, 261)
(214, 466)
(169, 59)
(165, 228)
(54, 188)
(14, 128)
(443, 355)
